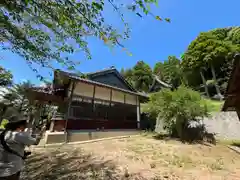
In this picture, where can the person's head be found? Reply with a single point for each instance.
(16, 124)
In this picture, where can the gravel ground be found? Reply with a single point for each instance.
(131, 159)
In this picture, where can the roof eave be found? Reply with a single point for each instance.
(75, 77)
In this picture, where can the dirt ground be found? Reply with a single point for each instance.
(133, 158)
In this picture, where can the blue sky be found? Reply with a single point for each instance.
(150, 40)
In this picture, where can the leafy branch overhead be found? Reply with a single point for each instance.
(47, 31)
(5, 77)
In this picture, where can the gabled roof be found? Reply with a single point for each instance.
(108, 71)
(78, 78)
(104, 71)
(233, 89)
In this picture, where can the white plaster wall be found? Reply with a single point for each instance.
(84, 89)
(117, 96)
(102, 93)
(131, 99)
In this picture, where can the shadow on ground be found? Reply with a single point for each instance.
(193, 134)
(60, 165)
(236, 144)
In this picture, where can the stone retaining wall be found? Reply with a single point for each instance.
(225, 125)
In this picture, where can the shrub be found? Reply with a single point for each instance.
(3, 123)
(177, 109)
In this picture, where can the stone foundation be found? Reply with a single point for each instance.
(75, 136)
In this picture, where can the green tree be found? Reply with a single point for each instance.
(46, 31)
(142, 76)
(212, 51)
(128, 75)
(169, 71)
(176, 109)
(16, 101)
(17, 96)
(159, 70)
(5, 77)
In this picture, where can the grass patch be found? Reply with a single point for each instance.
(229, 142)
(214, 106)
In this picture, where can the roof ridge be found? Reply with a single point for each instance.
(100, 71)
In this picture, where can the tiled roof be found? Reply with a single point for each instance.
(76, 77)
(102, 71)
(110, 70)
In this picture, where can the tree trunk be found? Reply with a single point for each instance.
(204, 83)
(216, 83)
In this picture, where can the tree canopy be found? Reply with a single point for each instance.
(214, 48)
(46, 31)
(5, 77)
(169, 71)
(176, 109)
(139, 76)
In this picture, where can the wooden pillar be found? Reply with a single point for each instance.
(30, 112)
(37, 114)
(69, 108)
(124, 101)
(110, 105)
(110, 97)
(51, 126)
(138, 112)
(93, 98)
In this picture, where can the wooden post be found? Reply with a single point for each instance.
(138, 112)
(51, 126)
(93, 98)
(69, 108)
(30, 116)
(110, 105)
(110, 97)
(124, 101)
(238, 112)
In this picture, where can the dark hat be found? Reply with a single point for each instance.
(16, 118)
(16, 121)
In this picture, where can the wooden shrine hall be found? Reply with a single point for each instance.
(98, 105)
(232, 102)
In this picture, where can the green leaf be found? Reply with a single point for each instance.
(158, 18)
(98, 6)
(167, 20)
(43, 31)
(70, 68)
